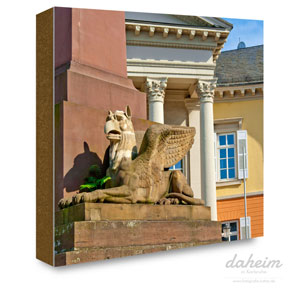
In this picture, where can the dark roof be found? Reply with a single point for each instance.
(240, 66)
(178, 20)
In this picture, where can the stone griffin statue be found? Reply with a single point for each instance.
(119, 131)
(144, 177)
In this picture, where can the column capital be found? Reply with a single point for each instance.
(205, 90)
(156, 88)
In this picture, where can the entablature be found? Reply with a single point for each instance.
(164, 35)
(174, 69)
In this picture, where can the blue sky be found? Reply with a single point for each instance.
(249, 31)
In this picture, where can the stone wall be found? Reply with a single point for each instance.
(91, 78)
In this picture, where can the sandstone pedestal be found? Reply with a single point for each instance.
(96, 231)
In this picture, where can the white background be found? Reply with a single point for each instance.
(194, 273)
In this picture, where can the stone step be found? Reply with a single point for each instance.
(109, 234)
(107, 211)
(93, 254)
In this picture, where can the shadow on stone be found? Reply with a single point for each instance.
(82, 162)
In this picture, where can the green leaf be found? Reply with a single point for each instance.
(89, 187)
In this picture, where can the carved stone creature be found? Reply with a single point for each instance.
(119, 131)
(146, 179)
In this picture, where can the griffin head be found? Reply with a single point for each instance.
(118, 123)
(119, 131)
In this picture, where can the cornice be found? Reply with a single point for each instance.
(238, 120)
(130, 25)
(242, 83)
(239, 92)
(251, 194)
(217, 35)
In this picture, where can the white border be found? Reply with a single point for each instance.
(180, 274)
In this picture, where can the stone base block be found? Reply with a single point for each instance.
(94, 231)
(94, 254)
(107, 211)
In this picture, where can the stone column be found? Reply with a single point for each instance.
(193, 108)
(156, 94)
(205, 91)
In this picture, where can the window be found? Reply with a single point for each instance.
(230, 231)
(178, 166)
(231, 156)
(226, 156)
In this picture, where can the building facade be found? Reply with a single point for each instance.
(177, 62)
(238, 114)
(172, 58)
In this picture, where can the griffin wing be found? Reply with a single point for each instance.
(162, 147)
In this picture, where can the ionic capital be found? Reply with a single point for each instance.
(156, 88)
(205, 90)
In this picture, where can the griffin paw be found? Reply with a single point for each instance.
(174, 201)
(64, 202)
(163, 201)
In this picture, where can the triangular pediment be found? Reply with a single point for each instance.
(194, 21)
(177, 20)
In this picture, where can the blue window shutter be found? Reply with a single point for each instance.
(216, 157)
(241, 147)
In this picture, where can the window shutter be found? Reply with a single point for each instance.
(241, 146)
(244, 229)
(216, 157)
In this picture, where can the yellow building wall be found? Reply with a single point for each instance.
(252, 113)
